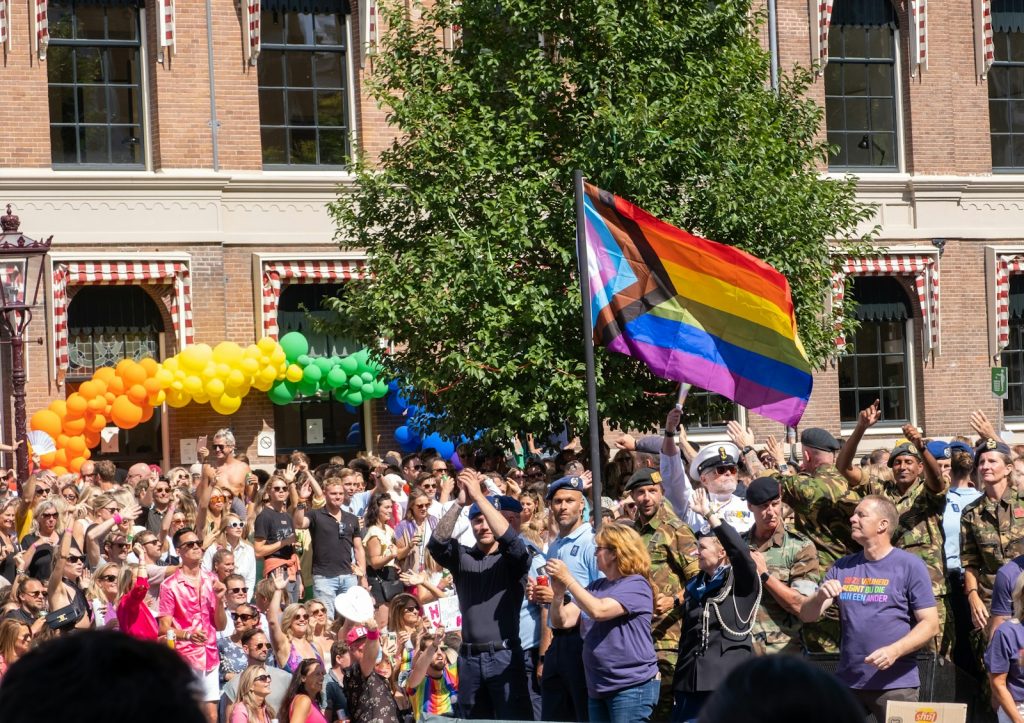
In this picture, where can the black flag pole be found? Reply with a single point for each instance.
(588, 350)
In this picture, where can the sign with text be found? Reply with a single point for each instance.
(1000, 382)
(444, 612)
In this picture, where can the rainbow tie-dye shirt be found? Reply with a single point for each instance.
(435, 696)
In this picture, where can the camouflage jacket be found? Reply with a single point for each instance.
(822, 505)
(673, 549)
(793, 560)
(920, 529)
(991, 533)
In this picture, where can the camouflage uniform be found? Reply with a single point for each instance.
(793, 560)
(920, 532)
(673, 549)
(991, 533)
(822, 505)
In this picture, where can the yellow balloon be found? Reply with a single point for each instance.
(201, 398)
(193, 385)
(277, 356)
(170, 365)
(262, 384)
(236, 378)
(294, 373)
(178, 399)
(155, 400)
(268, 375)
(249, 367)
(164, 377)
(214, 387)
(227, 352)
(226, 404)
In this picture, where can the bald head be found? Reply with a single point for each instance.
(136, 473)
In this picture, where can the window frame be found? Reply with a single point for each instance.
(997, 66)
(898, 127)
(347, 92)
(144, 119)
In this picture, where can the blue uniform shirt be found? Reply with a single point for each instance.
(957, 498)
(529, 613)
(579, 553)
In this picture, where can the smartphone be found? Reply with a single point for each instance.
(201, 442)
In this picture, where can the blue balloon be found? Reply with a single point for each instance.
(350, 409)
(395, 404)
(403, 435)
(433, 440)
(393, 385)
(446, 449)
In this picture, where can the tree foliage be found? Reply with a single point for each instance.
(467, 218)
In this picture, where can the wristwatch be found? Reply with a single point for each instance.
(764, 577)
(746, 450)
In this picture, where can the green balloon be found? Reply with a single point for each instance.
(349, 365)
(294, 345)
(354, 398)
(367, 390)
(307, 389)
(355, 383)
(304, 360)
(380, 389)
(324, 364)
(282, 392)
(340, 394)
(311, 374)
(336, 377)
(367, 377)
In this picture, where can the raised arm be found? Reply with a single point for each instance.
(598, 608)
(278, 639)
(744, 440)
(867, 418)
(471, 482)
(933, 478)
(422, 660)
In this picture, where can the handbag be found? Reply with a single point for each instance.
(384, 583)
(66, 617)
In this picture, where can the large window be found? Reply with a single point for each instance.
(706, 410)
(1006, 85)
(105, 325)
(876, 366)
(95, 85)
(860, 86)
(304, 114)
(1012, 356)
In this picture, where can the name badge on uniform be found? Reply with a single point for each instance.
(956, 507)
(576, 548)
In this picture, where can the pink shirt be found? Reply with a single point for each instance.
(191, 609)
(133, 617)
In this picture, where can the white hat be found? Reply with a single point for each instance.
(354, 604)
(713, 455)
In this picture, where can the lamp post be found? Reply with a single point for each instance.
(16, 252)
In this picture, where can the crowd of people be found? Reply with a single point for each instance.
(390, 589)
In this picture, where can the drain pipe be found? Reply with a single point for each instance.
(214, 123)
(773, 43)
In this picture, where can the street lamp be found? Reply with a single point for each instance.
(16, 251)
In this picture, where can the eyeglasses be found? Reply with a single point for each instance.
(108, 578)
(237, 590)
(76, 558)
(70, 498)
(149, 542)
(34, 593)
(245, 616)
(221, 447)
(318, 611)
(300, 618)
(412, 610)
(416, 466)
(42, 491)
(218, 498)
(25, 638)
(177, 520)
(188, 545)
(112, 508)
(118, 544)
(236, 524)
(49, 514)
(161, 490)
(260, 646)
(423, 506)
(726, 469)
(265, 678)
(429, 485)
(279, 489)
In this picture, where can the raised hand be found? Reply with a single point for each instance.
(870, 415)
(740, 437)
(981, 425)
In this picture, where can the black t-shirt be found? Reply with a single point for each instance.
(490, 587)
(20, 615)
(273, 526)
(42, 561)
(333, 542)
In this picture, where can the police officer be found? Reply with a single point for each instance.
(919, 492)
(490, 580)
(791, 562)
(673, 549)
(563, 685)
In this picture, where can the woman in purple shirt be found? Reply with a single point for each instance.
(1004, 664)
(615, 615)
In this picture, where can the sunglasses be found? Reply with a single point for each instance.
(423, 507)
(726, 469)
(279, 489)
(76, 558)
(149, 542)
(188, 545)
(70, 498)
(299, 618)
(34, 593)
(417, 466)
(221, 447)
(25, 638)
(245, 616)
(49, 514)
(236, 525)
(412, 610)
(42, 491)
(265, 678)
(108, 578)
(318, 611)
(260, 646)
(218, 498)
(161, 490)
(237, 590)
(117, 544)
(176, 521)
(111, 509)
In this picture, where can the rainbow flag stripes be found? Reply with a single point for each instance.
(694, 310)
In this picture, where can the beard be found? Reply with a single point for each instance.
(722, 488)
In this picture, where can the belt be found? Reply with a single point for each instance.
(559, 632)
(473, 648)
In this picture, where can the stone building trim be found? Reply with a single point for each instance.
(173, 269)
(273, 271)
(922, 265)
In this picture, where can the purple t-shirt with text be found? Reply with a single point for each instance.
(1002, 592)
(619, 653)
(1004, 656)
(877, 608)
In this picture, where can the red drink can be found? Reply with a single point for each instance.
(542, 580)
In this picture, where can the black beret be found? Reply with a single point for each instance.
(818, 438)
(990, 445)
(643, 478)
(762, 490)
(903, 449)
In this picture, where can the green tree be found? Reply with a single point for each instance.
(468, 220)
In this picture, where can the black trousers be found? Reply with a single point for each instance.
(564, 684)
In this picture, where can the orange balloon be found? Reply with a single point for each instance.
(59, 407)
(95, 424)
(75, 446)
(73, 427)
(101, 386)
(87, 454)
(61, 458)
(76, 405)
(152, 386)
(116, 386)
(111, 396)
(92, 438)
(150, 366)
(147, 413)
(46, 421)
(104, 374)
(46, 460)
(125, 413)
(62, 440)
(97, 404)
(88, 390)
(59, 470)
(76, 464)
(137, 393)
(135, 374)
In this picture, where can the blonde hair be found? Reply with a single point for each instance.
(95, 591)
(51, 503)
(289, 615)
(247, 698)
(631, 556)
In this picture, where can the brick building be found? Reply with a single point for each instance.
(182, 154)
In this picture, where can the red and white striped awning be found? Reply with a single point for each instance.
(5, 25)
(918, 13)
(984, 47)
(126, 272)
(820, 14)
(165, 28)
(251, 39)
(1005, 265)
(40, 28)
(276, 273)
(925, 270)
